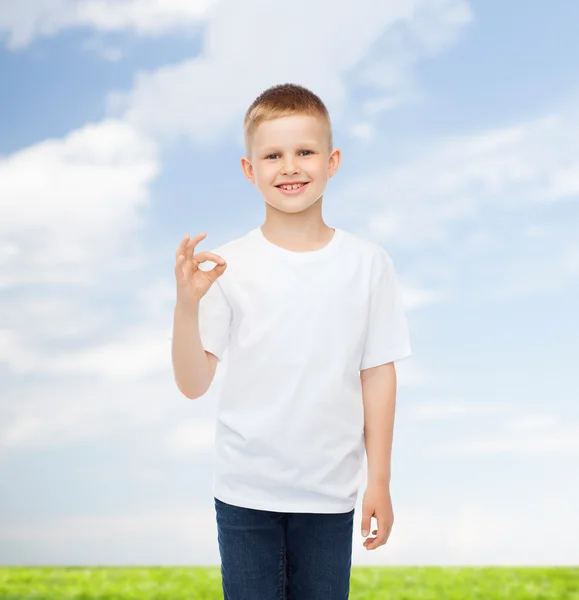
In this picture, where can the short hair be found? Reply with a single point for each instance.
(284, 100)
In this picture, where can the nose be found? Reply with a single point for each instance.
(289, 166)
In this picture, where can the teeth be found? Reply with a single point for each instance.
(292, 187)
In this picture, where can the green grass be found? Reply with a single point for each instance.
(367, 583)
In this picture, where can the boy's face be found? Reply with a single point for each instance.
(287, 150)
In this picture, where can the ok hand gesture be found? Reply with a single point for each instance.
(192, 282)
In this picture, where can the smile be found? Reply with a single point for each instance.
(292, 189)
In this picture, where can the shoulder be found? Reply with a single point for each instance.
(239, 253)
(237, 247)
(370, 253)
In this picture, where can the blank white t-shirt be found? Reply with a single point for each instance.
(298, 327)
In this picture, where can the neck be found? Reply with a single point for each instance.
(307, 224)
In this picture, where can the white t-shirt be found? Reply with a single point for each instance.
(298, 327)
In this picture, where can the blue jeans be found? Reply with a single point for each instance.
(269, 555)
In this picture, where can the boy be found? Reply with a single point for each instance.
(312, 320)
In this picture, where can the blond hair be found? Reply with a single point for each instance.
(284, 100)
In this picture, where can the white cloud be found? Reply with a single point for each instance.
(178, 536)
(121, 385)
(191, 436)
(565, 183)
(468, 534)
(536, 231)
(66, 202)
(552, 267)
(395, 98)
(14, 351)
(449, 179)
(473, 534)
(68, 214)
(534, 433)
(25, 21)
(446, 191)
(205, 97)
(100, 47)
(527, 438)
(445, 410)
(532, 422)
(430, 27)
(48, 338)
(363, 131)
(81, 409)
(140, 351)
(64, 412)
(414, 298)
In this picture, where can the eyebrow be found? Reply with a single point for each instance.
(270, 149)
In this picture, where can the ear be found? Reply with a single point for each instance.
(334, 161)
(247, 169)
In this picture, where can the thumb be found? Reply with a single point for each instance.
(366, 522)
(216, 272)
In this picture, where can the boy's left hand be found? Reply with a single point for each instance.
(378, 504)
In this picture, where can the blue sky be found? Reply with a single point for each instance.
(121, 131)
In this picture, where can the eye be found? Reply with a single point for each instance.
(307, 152)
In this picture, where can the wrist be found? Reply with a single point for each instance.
(383, 480)
(191, 307)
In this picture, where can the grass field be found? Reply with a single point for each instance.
(367, 583)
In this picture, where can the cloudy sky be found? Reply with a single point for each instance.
(121, 131)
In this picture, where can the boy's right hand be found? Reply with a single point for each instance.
(192, 282)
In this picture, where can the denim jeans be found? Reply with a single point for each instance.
(268, 555)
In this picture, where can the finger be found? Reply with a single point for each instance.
(193, 242)
(374, 532)
(368, 544)
(379, 540)
(366, 523)
(183, 268)
(373, 543)
(369, 540)
(182, 246)
(208, 256)
(216, 272)
(198, 238)
(180, 266)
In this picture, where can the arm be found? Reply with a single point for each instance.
(387, 339)
(193, 367)
(379, 398)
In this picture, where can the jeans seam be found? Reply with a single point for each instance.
(283, 568)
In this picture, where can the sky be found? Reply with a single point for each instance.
(121, 131)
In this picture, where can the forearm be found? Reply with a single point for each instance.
(190, 363)
(379, 398)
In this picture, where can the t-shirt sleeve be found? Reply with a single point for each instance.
(214, 320)
(387, 336)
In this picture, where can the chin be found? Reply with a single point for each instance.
(290, 207)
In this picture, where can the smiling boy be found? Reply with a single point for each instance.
(312, 321)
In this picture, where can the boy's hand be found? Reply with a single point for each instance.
(192, 282)
(378, 504)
